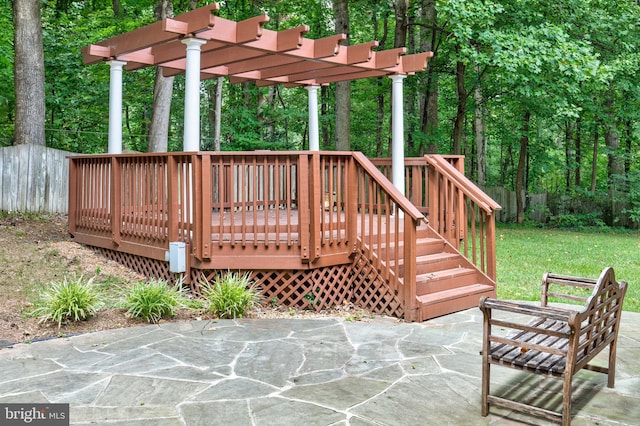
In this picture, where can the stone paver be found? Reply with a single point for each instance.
(297, 371)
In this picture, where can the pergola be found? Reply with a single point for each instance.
(204, 46)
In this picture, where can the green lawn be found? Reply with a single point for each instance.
(524, 254)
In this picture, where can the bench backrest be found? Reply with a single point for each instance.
(599, 319)
(565, 287)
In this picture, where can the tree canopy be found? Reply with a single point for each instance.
(539, 96)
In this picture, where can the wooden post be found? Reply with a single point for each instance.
(205, 194)
(172, 214)
(433, 203)
(198, 212)
(73, 195)
(116, 199)
(411, 309)
(491, 246)
(351, 199)
(315, 206)
(303, 206)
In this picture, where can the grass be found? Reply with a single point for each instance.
(524, 254)
(68, 300)
(230, 295)
(154, 300)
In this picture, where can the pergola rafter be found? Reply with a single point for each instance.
(202, 46)
(246, 51)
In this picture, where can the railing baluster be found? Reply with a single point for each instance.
(116, 201)
(304, 214)
(288, 196)
(266, 189)
(275, 170)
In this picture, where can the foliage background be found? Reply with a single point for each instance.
(554, 85)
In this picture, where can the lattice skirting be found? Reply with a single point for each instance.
(322, 288)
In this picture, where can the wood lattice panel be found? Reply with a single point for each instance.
(318, 289)
(142, 265)
(371, 291)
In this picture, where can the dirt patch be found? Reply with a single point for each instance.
(35, 251)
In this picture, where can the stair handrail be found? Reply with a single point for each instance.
(469, 188)
(454, 228)
(404, 204)
(410, 217)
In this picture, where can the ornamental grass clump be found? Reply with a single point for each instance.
(230, 295)
(69, 301)
(154, 300)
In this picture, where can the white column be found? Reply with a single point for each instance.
(397, 132)
(191, 141)
(314, 133)
(115, 107)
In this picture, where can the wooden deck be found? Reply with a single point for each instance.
(301, 223)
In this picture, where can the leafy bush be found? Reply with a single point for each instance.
(577, 221)
(231, 294)
(69, 300)
(154, 300)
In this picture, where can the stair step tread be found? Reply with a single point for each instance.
(444, 274)
(429, 258)
(454, 293)
(424, 240)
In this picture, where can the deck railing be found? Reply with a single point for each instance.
(463, 214)
(455, 207)
(388, 226)
(216, 202)
(288, 210)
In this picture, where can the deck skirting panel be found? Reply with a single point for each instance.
(317, 289)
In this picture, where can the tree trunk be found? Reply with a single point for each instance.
(162, 93)
(594, 159)
(324, 122)
(117, 8)
(461, 96)
(522, 161)
(429, 110)
(578, 139)
(343, 88)
(399, 40)
(480, 131)
(380, 84)
(569, 153)
(379, 119)
(615, 163)
(615, 166)
(218, 115)
(28, 73)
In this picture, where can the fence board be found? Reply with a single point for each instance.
(34, 179)
(535, 204)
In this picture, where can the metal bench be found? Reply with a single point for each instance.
(555, 341)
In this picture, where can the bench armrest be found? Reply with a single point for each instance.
(548, 312)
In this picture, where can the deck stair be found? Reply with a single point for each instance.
(446, 281)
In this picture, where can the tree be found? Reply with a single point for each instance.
(28, 73)
(343, 88)
(162, 92)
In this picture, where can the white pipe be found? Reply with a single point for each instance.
(115, 107)
(397, 132)
(314, 135)
(191, 141)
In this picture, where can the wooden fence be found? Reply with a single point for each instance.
(535, 204)
(34, 179)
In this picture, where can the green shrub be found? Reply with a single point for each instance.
(69, 300)
(154, 300)
(230, 295)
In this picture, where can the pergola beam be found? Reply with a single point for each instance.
(246, 51)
